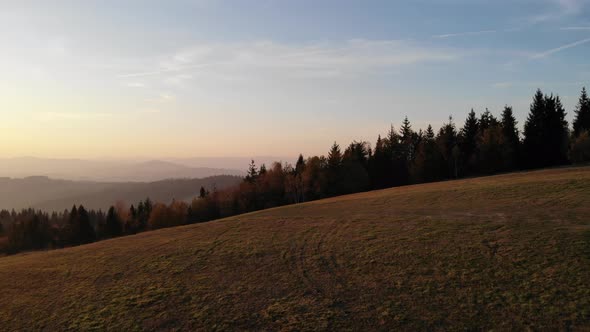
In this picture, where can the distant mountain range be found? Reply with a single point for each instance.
(108, 171)
(57, 184)
(56, 195)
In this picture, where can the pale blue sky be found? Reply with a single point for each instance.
(242, 78)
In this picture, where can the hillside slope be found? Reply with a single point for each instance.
(504, 252)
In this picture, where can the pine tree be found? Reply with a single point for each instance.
(546, 132)
(533, 131)
(406, 129)
(300, 164)
(554, 133)
(132, 213)
(561, 133)
(113, 224)
(357, 152)
(398, 173)
(334, 157)
(447, 145)
(582, 119)
(511, 140)
(334, 170)
(428, 164)
(203, 193)
(392, 142)
(468, 143)
(486, 121)
(355, 167)
(490, 150)
(86, 231)
(71, 230)
(379, 166)
(429, 133)
(407, 139)
(252, 173)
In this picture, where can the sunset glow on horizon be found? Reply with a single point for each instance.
(102, 79)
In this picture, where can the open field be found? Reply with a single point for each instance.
(505, 252)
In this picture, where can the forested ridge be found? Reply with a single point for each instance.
(484, 144)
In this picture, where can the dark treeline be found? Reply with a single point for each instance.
(482, 145)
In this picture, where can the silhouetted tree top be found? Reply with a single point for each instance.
(487, 120)
(252, 172)
(509, 124)
(113, 224)
(429, 133)
(582, 111)
(335, 156)
(469, 133)
(406, 129)
(300, 164)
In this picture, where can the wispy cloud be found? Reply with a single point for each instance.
(560, 48)
(461, 34)
(162, 71)
(309, 60)
(562, 9)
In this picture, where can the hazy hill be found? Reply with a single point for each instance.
(238, 163)
(509, 252)
(57, 195)
(108, 171)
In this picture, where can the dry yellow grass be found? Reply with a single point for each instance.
(503, 252)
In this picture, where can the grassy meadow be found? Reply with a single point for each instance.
(502, 252)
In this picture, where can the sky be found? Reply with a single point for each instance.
(176, 79)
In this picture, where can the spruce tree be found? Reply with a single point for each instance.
(380, 166)
(510, 138)
(491, 150)
(561, 136)
(334, 170)
(429, 133)
(428, 164)
(447, 144)
(406, 129)
(334, 157)
(407, 139)
(486, 121)
(252, 173)
(113, 224)
(533, 131)
(398, 164)
(582, 119)
(468, 143)
(355, 168)
(71, 229)
(86, 231)
(546, 132)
